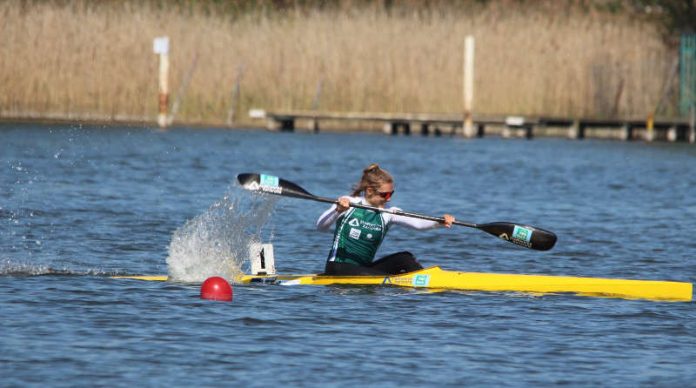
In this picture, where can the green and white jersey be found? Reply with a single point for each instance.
(359, 232)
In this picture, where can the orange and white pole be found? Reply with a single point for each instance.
(161, 47)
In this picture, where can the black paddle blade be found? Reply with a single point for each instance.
(524, 235)
(272, 185)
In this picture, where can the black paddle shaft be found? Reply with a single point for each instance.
(522, 235)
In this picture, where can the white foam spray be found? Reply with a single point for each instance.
(17, 268)
(10, 267)
(216, 243)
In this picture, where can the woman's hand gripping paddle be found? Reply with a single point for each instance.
(523, 235)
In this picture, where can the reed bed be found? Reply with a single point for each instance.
(78, 58)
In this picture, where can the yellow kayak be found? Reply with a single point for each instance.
(438, 279)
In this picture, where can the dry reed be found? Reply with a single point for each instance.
(80, 59)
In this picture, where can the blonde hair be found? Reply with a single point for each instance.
(373, 176)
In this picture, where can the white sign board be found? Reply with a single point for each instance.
(257, 113)
(161, 45)
(514, 121)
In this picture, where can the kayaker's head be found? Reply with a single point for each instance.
(376, 184)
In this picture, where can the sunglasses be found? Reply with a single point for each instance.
(386, 195)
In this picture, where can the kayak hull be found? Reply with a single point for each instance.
(438, 279)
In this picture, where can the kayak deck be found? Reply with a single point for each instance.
(437, 278)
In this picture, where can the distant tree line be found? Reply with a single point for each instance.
(675, 17)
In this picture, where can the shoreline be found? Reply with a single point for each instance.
(674, 132)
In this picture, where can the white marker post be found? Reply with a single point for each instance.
(161, 47)
(468, 86)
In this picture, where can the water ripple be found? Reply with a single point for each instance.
(81, 204)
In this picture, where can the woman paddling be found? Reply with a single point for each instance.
(359, 232)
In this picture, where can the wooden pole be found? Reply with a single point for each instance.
(650, 127)
(468, 87)
(161, 47)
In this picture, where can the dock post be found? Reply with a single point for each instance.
(650, 128)
(287, 124)
(581, 131)
(454, 129)
(272, 124)
(576, 130)
(506, 133)
(425, 129)
(517, 123)
(161, 47)
(390, 128)
(627, 132)
(313, 125)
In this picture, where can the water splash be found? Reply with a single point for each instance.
(216, 243)
(9, 267)
(15, 268)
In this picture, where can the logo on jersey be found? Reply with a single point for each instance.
(354, 233)
(354, 222)
(369, 226)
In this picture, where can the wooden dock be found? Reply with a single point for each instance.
(505, 126)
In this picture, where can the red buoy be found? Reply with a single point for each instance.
(216, 288)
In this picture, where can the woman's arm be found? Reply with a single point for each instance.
(329, 217)
(417, 223)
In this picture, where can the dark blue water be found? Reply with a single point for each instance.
(80, 204)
